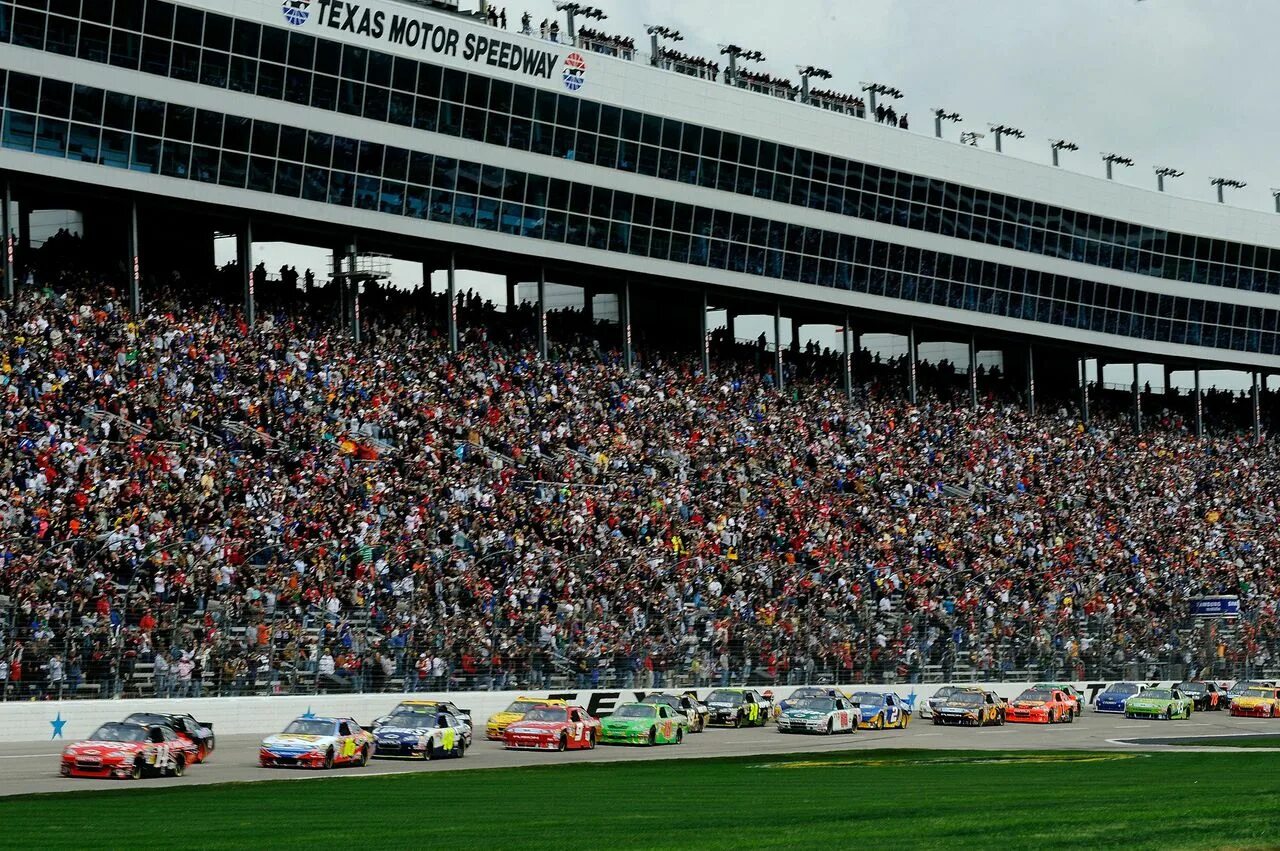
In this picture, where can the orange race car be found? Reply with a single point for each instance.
(1041, 706)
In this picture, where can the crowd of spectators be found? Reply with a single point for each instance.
(694, 66)
(602, 42)
(244, 508)
(887, 115)
(767, 83)
(854, 105)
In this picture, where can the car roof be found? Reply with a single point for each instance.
(549, 701)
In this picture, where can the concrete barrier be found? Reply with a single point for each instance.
(42, 721)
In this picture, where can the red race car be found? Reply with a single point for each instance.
(128, 751)
(1040, 706)
(553, 728)
(188, 728)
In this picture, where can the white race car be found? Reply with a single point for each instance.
(824, 715)
(926, 707)
(416, 734)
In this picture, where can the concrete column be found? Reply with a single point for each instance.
(24, 228)
(451, 310)
(795, 336)
(1137, 400)
(1168, 379)
(135, 262)
(1257, 410)
(589, 307)
(542, 312)
(777, 346)
(846, 336)
(705, 338)
(351, 318)
(1082, 371)
(10, 288)
(973, 371)
(244, 255)
(1199, 405)
(1031, 379)
(912, 389)
(731, 319)
(627, 359)
(511, 294)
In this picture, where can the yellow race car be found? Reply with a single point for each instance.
(497, 725)
(1257, 702)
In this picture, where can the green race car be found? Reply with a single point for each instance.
(1166, 703)
(642, 724)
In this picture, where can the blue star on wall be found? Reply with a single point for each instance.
(911, 700)
(308, 713)
(57, 724)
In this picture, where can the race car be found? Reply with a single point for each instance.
(1241, 686)
(802, 693)
(1073, 695)
(738, 707)
(417, 733)
(198, 733)
(1041, 706)
(553, 728)
(128, 751)
(1166, 703)
(970, 708)
(1257, 702)
(881, 711)
(821, 714)
(317, 743)
(1113, 697)
(643, 724)
(694, 711)
(432, 706)
(1205, 696)
(926, 707)
(497, 724)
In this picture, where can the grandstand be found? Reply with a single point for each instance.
(224, 483)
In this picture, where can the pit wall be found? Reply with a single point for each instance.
(43, 721)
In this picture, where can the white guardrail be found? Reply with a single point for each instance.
(42, 721)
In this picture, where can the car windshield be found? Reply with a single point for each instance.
(731, 697)
(1193, 688)
(146, 718)
(966, 698)
(119, 733)
(1123, 688)
(1157, 694)
(815, 704)
(521, 706)
(411, 719)
(309, 727)
(1036, 694)
(867, 698)
(655, 699)
(545, 713)
(808, 691)
(1259, 692)
(945, 691)
(635, 710)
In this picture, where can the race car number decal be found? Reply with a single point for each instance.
(349, 747)
(666, 729)
(844, 719)
(753, 712)
(446, 738)
(162, 758)
(578, 729)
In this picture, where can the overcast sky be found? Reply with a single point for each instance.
(1166, 82)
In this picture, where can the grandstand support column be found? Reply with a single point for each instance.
(588, 308)
(1082, 370)
(912, 389)
(542, 312)
(704, 343)
(846, 335)
(1199, 404)
(973, 371)
(1031, 379)
(627, 358)
(731, 319)
(451, 309)
(1257, 409)
(511, 294)
(244, 256)
(5, 215)
(1137, 401)
(777, 346)
(135, 262)
(351, 319)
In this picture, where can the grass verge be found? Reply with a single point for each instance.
(889, 799)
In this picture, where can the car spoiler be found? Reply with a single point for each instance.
(208, 725)
(368, 728)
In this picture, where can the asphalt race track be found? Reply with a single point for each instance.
(31, 768)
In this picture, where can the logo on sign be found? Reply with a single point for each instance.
(575, 71)
(296, 12)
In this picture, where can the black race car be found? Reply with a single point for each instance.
(1204, 695)
(199, 733)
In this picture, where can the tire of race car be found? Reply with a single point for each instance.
(137, 772)
(831, 727)
(1071, 717)
(462, 749)
(591, 740)
(179, 767)
(328, 759)
(653, 736)
(737, 722)
(1168, 713)
(563, 745)
(937, 722)
(679, 737)
(879, 722)
(364, 757)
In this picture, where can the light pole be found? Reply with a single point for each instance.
(941, 115)
(1275, 193)
(1056, 145)
(1115, 159)
(574, 9)
(1221, 182)
(734, 52)
(805, 74)
(1162, 172)
(656, 33)
(1002, 130)
(873, 89)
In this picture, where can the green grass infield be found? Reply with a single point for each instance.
(883, 799)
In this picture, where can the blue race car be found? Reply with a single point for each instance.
(882, 711)
(1114, 696)
(803, 693)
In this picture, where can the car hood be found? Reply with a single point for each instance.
(627, 723)
(93, 748)
(1028, 704)
(537, 727)
(803, 714)
(1151, 701)
(296, 740)
(396, 732)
